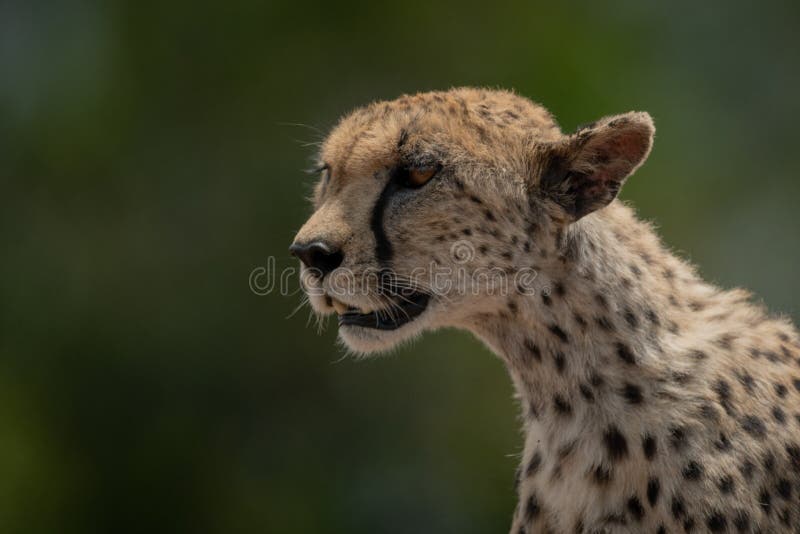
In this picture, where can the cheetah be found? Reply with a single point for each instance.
(651, 400)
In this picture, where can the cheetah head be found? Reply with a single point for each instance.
(431, 209)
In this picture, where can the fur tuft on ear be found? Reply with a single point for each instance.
(585, 171)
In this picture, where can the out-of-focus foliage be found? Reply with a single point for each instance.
(150, 158)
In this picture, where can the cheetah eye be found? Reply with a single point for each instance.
(415, 177)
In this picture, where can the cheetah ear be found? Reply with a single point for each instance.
(585, 171)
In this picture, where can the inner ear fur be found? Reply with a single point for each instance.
(585, 171)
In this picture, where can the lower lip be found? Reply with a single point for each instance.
(410, 308)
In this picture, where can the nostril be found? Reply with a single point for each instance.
(326, 260)
(318, 255)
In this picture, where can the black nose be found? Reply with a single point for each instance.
(318, 255)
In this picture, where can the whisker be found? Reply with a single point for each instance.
(301, 125)
(303, 302)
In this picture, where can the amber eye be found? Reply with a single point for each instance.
(419, 176)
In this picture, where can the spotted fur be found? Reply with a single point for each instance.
(652, 401)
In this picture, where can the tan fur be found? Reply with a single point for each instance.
(652, 400)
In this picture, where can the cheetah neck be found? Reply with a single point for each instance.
(613, 302)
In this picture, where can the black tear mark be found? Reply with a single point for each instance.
(383, 248)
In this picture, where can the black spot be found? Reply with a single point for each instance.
(794, 456)
(746, 380)
(725, 341)
(786, 517)
(653, 488)
(475, 199)
(778, 414)
(595, 380)
(635, 508)
(725, 484)
(466, 231)
(586, 392)
(723, 391)
(688, 524)
(716, 522)
(566, 449)
(604, 323)
(747, 469)
(796, 383)
(652, 317)
(661, 530)
(532, 410)
(741, 521)
(765, 501)
(560, 334)
(631, 318)
(625, 354)
(696, 306)
(561, 405)
(615, 443)
(754, 426)
(632, 393)
(602, 475)
(699, 355)
(678, 508)
(532, 508)
(560, 289)
(677, 437)
(560, 361)
(780, 390)
(533, 349)
(693, 471)
(649, 446)
(534, 464)
(784, 488)
(723, 443)
(709, 412)
(580, 320)
(546, 299)
(681, 377)
(618, 518)
(769, 462)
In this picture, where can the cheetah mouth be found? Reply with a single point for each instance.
(403, 310)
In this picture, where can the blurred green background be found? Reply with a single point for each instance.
(148, 164)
